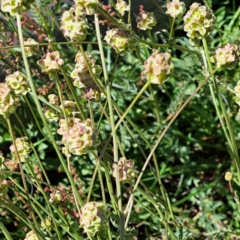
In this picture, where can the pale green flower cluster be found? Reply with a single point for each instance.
(78, 136)
(119, 40)
(8, 100)
(18, 83)
(158, 67)
(31, 236)
(31, 50)
(146, 20)
(50, 63)
(176, 9)
(226, 56)
(23, 149)
(85, 7)
(82, 77)
(122, 6)
(126, 170)
(94, 218)
(198, 22)
(15, 6)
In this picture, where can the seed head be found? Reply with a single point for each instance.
(53, 99)
(31, 236)
(15, 6)
(31, 50)
(85, 7)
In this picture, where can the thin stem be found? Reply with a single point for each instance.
(115, 146)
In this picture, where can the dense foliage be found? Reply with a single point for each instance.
(117, 124)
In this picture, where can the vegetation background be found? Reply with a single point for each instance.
(192, 200)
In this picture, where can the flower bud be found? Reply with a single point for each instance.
(228, 176)
(122, 6)
(176, 9)
(94, 218)
(226, 56)
(8, 101)
(158, 67)
(127, 173)
(18, 83)
(198, 22)
(146, 20)
(50, 63)
(23, 149)
(119, 40)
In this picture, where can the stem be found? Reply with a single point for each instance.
(115, 147)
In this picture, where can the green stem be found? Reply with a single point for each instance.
(115, 147)
(39, 108)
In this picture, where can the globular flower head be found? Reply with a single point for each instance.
(53, 99)
(126, 170)
(31, 236)
(18, 83)
(146, 20)
(80, 74)
(94, 218)
(226, 56)
(74, 26)
(158, 67)
(70, 108)
(80, 137)
(119, 40)
(176, 9)
(50, 114)
(8, 100)
(31, 50)
(50, 63)
(15, 6)
(3, 188)
(46, 224)
(228, 176)
(85, 7)
(122, 6)
(55, 197)
(198, 22)
(23, 149)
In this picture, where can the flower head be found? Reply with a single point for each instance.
(50, 63)
(158, 67)
(85, 7)
(15, 6)
(8, 100)
(31, 236)
(126, 170)
(31, 50)
(23, 149)
(146, 20)
(122, 6)
(119, 40)
(176, 9)
(226, 56)
(94, 218)
(18, 83)
(198, 22)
